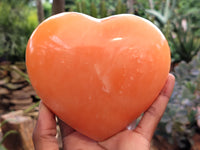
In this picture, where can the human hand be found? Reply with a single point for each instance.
(44, 135)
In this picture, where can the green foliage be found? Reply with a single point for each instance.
(103, 10)
(69, 4)
(120, 8)
(100, 9)
(183, 39)
(179, 121)
(190, 9)
(47, 9)
(81, 7)
(185, 44)
(17, 22)
(164, 14)
(87, 8)
(93, 10)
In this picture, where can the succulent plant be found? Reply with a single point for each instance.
(179, 121)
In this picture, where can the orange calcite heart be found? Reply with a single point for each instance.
(97, 75)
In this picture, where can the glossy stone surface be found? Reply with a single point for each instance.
(97, 75)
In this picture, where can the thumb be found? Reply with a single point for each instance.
(152, 116)
(44, 134)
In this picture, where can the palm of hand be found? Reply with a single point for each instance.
(126, 140)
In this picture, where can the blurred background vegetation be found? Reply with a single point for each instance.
(179, 20)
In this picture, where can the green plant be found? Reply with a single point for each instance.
(47, 8)
(183, 40)
(93, 10)
(120, 7)
(165, 13)
(17, 21)
(184, 43)
(103, 10)
(179, 121)
(69, 4)
(190, 9)
(100, 9)
(81, 7)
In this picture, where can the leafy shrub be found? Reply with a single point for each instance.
(190, 9)
(183, 38)
(100, 9)
(17, 22)
(163, 15)
(185, 45)
(179, 121)
(47, 9)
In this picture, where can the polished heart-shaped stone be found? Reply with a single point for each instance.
(97, 75)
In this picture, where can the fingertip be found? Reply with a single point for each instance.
(169, 86)
(171, 77)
